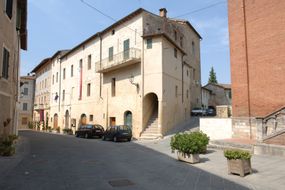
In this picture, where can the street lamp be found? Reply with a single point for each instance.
(131, 79)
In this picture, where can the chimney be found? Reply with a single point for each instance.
(163, 12)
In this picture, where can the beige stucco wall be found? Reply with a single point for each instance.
(29, 83)
(9, 87)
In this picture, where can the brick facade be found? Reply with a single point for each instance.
(257, 34)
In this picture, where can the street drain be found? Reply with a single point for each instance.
(120, 183)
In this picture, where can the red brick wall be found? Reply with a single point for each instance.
(265, 72)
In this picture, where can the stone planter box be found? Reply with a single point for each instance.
(190, 158)
(239, 166)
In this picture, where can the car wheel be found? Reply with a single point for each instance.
(115, 139)
(103, 138)
(129, 139)
(86, 135)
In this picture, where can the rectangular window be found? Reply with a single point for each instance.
(90, 117)
(193, 48)
(56, 76)
(24, 121)
(45, 83)
(26, 91)
(52, 79)
(181, 41)
(89, 62)
(187, 94)
(63, 95)
(149, 43)
(175, 35)
(25, 106)
(127, 49)
(71, 71)
(113, 86)
(5, 63)
(63, 74)
(88, 89)
(176, 91)
(111, 53)
(175, 52)
(9, 8)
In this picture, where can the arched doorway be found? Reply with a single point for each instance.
(128, 119)
(66, 119)
(83, 119)
(55, 121)
(150, 107)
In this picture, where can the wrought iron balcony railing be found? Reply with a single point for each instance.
(122, 59)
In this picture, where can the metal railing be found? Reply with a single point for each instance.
(129, 55)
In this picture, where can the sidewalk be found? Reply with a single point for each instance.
(268, 171)
(8, 163)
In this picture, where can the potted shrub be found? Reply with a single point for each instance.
(188, 146)
(7, 145)
(58, 129)
(238, 161)
(67, 131)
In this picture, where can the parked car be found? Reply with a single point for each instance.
(211, 112)
(117, 133)
(198, 112)
(89, 131)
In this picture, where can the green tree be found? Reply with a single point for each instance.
(212, 77)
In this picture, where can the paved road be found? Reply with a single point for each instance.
(64, 162)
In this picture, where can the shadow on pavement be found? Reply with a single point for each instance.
(58, 162)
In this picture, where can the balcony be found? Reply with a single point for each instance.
(40, 107)
(122, 59)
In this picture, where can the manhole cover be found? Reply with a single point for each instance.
(120, 183)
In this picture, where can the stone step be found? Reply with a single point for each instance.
(152, 129)
(151, 133)
(269, 149)
(150, 137)
(221, 144)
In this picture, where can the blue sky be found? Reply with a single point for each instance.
(62, 24)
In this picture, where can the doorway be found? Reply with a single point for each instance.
(128, 119)
(112, 121)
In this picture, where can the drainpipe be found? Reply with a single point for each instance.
(246, 57)
(182, 89)
(100, 90)
(142, 87)
(59, 80)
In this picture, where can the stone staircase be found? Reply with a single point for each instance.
(151, 132)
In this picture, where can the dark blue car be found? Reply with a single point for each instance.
(118, 133)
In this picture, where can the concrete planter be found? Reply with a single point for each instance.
(239, 166)
(190, 158)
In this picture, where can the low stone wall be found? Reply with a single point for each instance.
(247, 128)
(217, 128)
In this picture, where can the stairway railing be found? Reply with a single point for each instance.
(273, 123)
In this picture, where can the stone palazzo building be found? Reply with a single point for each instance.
(13, 38)
(142, 71)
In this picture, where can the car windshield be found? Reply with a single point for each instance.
(89, 126)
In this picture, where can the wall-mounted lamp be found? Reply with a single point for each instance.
(132, 81)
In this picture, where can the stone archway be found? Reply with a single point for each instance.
(150, 108)
(128, 118)
(83, 119)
